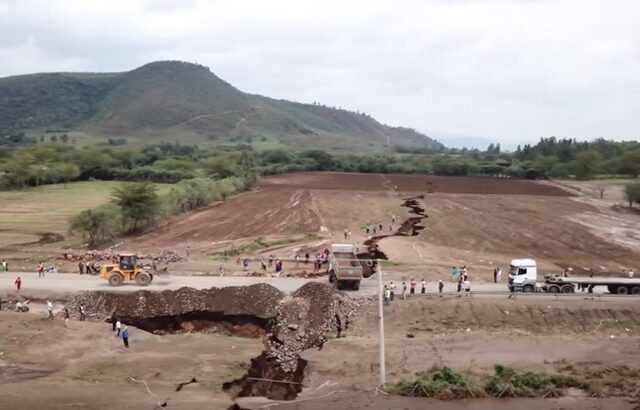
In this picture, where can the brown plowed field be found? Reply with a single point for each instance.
(479, 222)
(262, 212)
(410, 183)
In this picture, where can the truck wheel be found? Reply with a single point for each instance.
(115, 279)
(622, 290)
(143, 279)
(332, 276)
(527, 289)
(568, 289)
(553, 289)
(635, 290)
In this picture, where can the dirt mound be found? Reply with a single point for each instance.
(255, 300)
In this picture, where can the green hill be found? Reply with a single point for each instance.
(186, 102)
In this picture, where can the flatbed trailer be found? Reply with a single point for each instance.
(523, 277)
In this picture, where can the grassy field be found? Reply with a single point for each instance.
(25, 215)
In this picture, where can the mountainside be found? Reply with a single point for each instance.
(186, 102)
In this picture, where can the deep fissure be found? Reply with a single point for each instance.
(410, 227)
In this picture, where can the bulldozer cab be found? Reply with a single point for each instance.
(127, 262)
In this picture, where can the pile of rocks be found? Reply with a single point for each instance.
(165, 256)
(304, 320)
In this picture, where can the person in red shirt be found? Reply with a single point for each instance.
(41, 269)
(413, 287)
(18, 283)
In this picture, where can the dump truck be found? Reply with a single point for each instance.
(126, 270)
(345, 270)
(523, 277)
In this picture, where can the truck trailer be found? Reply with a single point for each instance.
(345, 270)
(523, 277)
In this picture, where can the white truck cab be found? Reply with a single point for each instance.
(523, 275)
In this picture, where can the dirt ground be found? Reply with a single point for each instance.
(45, 365)
(478, 222)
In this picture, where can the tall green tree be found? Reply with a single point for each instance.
(630, 163)
(139, 203)
(632, 193)
(587, 164)
(97, 225)
(68, 171)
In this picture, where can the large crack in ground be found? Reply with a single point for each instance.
(410, 227)
(286, 325)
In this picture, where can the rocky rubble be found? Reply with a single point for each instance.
(165, 256)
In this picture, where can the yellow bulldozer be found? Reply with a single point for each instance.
(127, 270)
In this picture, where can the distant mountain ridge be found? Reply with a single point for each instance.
(184, 100)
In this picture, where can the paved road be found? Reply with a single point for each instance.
(71, 283)
(65, 282)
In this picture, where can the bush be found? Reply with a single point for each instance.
(98, 225)
(632, 193)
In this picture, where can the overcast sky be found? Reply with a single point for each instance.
(512, 70)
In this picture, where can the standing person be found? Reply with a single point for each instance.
(454, 273)
(499, 274)
(82, 312)
(467, 288)
(413, 286)
(114, 319)
(245, 264)
(221, 270)
(349, 234)
(460, 283)
(81, 267)
(297, 260)
(463, 273)
(5, 266)
(404, 290)
(66, 317)
(118, 327)
(380, 226)
(125, 336)
(374, 229)
(345, 233)
(386, 295)
(631, 273)
(41, 270)
(18, 283)
(440, 287)
(423, 290)
(495, 275)
(306, 258)
(392, 291)
(270, 260)
(366, 229)
(49, 310)
(263, 264)
(393, 218)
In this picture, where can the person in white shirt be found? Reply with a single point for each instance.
(118, 328)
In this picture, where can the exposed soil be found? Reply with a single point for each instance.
(203, 322)
(267, 378)
(410, 183)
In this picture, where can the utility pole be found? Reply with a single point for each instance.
(383, 372)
